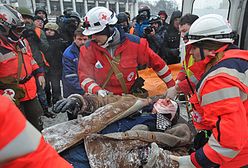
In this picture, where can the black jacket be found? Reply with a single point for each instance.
(170, 47)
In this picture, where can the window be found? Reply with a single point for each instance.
(203, 7)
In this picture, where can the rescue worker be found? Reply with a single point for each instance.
(186, 81)
(108, 64)
(220, 102)
(17, 66)
(21, 144)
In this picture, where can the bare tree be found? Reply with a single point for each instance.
(168, 5)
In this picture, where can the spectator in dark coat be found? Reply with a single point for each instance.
(142, 21)
(68, 23)
(54, 58)
(170, 47)
(163, 16)
(155, 34)
(71, 84)
(39, 45)
(42, 13)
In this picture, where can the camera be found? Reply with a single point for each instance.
(148, 30)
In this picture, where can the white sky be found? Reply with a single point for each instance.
(179, 2)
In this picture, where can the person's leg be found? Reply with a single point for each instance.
(42, 96)
(76, 156)
(48, 90)
(33, 112)
(56, 89)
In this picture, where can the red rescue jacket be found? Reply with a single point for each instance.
(93, 65)
(221, 105)
(9, 67)
(21, 145)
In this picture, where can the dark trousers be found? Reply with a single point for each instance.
(41, 95)
(32, 110)
(53, 89)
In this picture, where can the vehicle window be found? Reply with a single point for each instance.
(203, 7)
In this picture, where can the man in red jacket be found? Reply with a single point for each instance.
(17, 66)
(109, 62)
(220, 101)
(21, 145)
(186, 80)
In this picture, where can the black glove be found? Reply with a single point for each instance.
(71, 105)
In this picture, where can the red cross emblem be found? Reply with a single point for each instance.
(196, 116)
(86, 23)
(3, 17)
(104, 17)
(9, 92)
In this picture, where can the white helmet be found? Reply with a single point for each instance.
(211, 27)
(97, 19)
(11, 23)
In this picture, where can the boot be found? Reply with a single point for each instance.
(48, 114)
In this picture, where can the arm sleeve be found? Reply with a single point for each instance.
(147, 56)
(70, 73)
(86, 71)
(44, 45)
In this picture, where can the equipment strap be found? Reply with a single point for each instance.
(20, 61)
(114, 69)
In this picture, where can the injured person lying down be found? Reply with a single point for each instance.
(119, 131)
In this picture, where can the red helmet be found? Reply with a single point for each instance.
(11, 23)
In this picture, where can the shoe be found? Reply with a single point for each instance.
(49, 114)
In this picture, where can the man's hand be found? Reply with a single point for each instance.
(184, 161)
(42, 81)
(70, 105)
(102, 92)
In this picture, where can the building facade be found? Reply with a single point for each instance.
(56, 7)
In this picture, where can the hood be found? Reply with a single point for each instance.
(175, 14)
(40, 9)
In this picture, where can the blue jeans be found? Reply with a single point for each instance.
(77, 155)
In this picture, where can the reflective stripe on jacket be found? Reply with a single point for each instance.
(184, 84)
(9, 67)
(21, 145)
(221, 104)
(94, 66)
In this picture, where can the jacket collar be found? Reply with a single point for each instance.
(74, 48)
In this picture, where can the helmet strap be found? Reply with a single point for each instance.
(12, 37)
(109, 40)
(202, 53)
